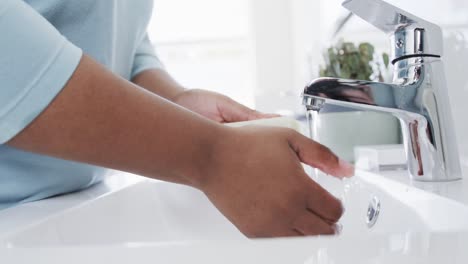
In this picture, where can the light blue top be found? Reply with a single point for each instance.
(41, 43)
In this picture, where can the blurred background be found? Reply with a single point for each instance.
(263, 52)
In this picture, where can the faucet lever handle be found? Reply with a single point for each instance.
(409, 34)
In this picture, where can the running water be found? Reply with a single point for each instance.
(348, 185)
(312, 119)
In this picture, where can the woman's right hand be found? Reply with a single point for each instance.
(257, 181)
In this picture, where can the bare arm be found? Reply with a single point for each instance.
(253, 175)
(104, 120)
(158, 81)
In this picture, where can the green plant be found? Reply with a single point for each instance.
(345, 60)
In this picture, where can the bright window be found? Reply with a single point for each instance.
(206, 44)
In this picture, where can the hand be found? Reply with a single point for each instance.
(217, 107)
(256, 180)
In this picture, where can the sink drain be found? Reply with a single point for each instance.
(373, 211)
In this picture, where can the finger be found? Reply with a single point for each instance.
(281, 232)
(309, 224)
(232, 111)
(319, 156)
(324, 204)
(287, 232)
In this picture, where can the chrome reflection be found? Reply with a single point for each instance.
(418, 95)
(373, 212)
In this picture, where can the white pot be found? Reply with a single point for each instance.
(342, 131)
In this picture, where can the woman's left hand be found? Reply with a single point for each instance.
(217, 107)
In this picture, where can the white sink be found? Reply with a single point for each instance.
(145, 211)
(403, 208)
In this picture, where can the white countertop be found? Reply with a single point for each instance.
(454, 190)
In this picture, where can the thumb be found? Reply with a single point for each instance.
(318, 156)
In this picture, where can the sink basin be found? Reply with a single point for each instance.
(129, 219)
(147, 211)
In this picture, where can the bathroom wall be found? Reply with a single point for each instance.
(206, 44)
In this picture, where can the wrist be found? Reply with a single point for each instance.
(210, 166)
(212, 146)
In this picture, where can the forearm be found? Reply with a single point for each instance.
(158, 81)
(101, 119)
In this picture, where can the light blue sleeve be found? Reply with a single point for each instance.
(36, 62)
(145, 58)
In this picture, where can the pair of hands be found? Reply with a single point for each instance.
(257, 180)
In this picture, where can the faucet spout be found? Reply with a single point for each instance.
(419, 101)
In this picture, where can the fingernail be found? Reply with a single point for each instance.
(348, 168)
(338, 228)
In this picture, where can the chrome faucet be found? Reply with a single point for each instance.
(418, 95)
